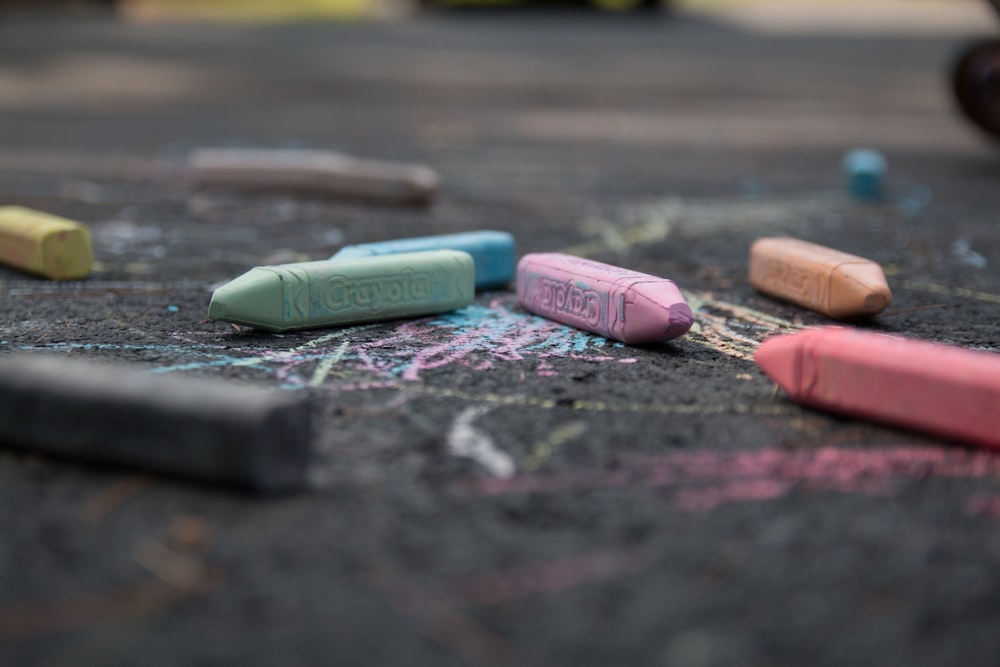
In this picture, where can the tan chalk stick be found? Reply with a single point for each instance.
(834, 283)
(44, 244)
(328, 172)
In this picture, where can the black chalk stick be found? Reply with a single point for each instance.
(205, 429)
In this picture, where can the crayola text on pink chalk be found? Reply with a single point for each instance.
(608, 300)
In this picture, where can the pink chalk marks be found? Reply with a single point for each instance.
(982, 504)
(731, 492)
(476, 337)
(703, 479)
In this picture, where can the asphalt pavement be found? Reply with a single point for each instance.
(487, 487)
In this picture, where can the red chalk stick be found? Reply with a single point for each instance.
(948, 391)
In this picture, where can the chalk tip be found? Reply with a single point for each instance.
(780, 357)
(859, 290)
(681, 320)
(253, 299)
(217, 309)
(663, 315)
(875, 303)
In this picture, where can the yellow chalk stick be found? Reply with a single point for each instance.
(44, 244)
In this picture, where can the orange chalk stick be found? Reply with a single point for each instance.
(949, 391)
(44, 244)
(831, 282)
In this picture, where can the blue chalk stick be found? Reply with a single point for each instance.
(865, 170)
(493, 252)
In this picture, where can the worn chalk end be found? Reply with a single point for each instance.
(780, 357)
(217, 309)
(859, 290)
(67, 254)
(44, 244)
(659, 313)
(681, 320)
(253, 300)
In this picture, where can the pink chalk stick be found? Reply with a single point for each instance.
(948, 391)
(626, 305)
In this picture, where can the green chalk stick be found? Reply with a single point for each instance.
(309, 295)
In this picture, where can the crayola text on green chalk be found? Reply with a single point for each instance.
(336, 292)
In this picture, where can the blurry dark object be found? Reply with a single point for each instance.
(976, 83)
(48, 6)
(601, 5)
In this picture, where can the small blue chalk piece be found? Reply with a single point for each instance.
(494, 253)
(172, 308)
(865, 170)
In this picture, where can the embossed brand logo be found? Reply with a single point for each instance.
(570, 299)
(800, 283)
(378, 292)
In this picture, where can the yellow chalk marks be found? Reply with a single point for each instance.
(672, 409)
(327, 363)
(340, 333)
(701, 300)
(715, 331)
(542, 451)
(296, 351)
(500, 399)
(614, 240)
(678, 408)
(951, 291)
(713, 340)
(244, 10)
(892, 269)
(654, 222)
(926, 287)
(973, 294)
(602, 406)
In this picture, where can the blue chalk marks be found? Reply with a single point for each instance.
(378, 355)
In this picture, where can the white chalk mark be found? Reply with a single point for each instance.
(467, 441)
(326, 363)
(963, 252)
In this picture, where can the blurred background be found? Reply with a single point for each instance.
(660, 137)
(861, 15)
